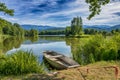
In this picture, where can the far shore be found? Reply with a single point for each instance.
(52, 35)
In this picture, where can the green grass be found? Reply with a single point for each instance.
(98, 48)
(19, 63)
(96, 72)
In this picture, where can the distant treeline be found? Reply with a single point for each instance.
(52, 32)
(107, 33)
(76, 28)
(7, 28)
(85, 31)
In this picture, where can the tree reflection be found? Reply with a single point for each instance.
(96, 48)
(32, 39)
(10, 43)
(76, 49)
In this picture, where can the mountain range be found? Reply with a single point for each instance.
(41, 27)
(96, 27)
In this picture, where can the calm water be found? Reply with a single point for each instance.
(71, 47)
(38, 45)
(66, 46)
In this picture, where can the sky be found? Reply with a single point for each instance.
(59, 13)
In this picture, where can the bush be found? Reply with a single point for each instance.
(98, 48)
(19, 62)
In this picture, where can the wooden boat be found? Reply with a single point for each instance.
(59, 61)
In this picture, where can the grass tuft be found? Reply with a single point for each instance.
(20, 62)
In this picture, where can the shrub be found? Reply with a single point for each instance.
(98, 48)
(20, 62)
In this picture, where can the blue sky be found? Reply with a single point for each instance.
(59, 13)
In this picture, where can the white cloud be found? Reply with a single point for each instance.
(107, 15)
(76, 8)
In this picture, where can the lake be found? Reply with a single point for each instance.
(61, 44)
(71, 47)
(37, 45)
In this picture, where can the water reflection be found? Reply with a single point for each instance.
(75, 44)
(71, 47)
(13, 42)
(68, 46)
(10, 43)
(37, 45)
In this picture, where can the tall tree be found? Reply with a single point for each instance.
(76, 26)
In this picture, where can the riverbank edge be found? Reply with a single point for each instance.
(102, 70)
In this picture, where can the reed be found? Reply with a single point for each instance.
(20, 62)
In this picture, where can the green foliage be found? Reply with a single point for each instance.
(98, 48)
(0, 31)
(3, 8)
(68, 31)
(31, 33)
(75, 28)
(52, 32)
(95, 6)
(19, 63)
(103, 32)
(8, 28)
(90, 31)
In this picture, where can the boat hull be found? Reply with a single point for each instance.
(55, 64)
(59, 61)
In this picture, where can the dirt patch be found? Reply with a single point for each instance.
(97, 71)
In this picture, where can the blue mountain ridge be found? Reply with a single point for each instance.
(96, 27)
(41, 27)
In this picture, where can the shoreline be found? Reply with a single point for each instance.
(97, 71)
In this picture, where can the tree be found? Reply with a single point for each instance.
(3, 8)
(117, 30)
(95, 6)
(76, 26)
(68, 31)
(31, 33)
(86, 31)
(113, 31)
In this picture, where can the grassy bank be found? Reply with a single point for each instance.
(19, 63)
(98, 48)
(96, 72)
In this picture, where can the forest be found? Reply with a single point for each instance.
(7, 28)
(52, 32)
